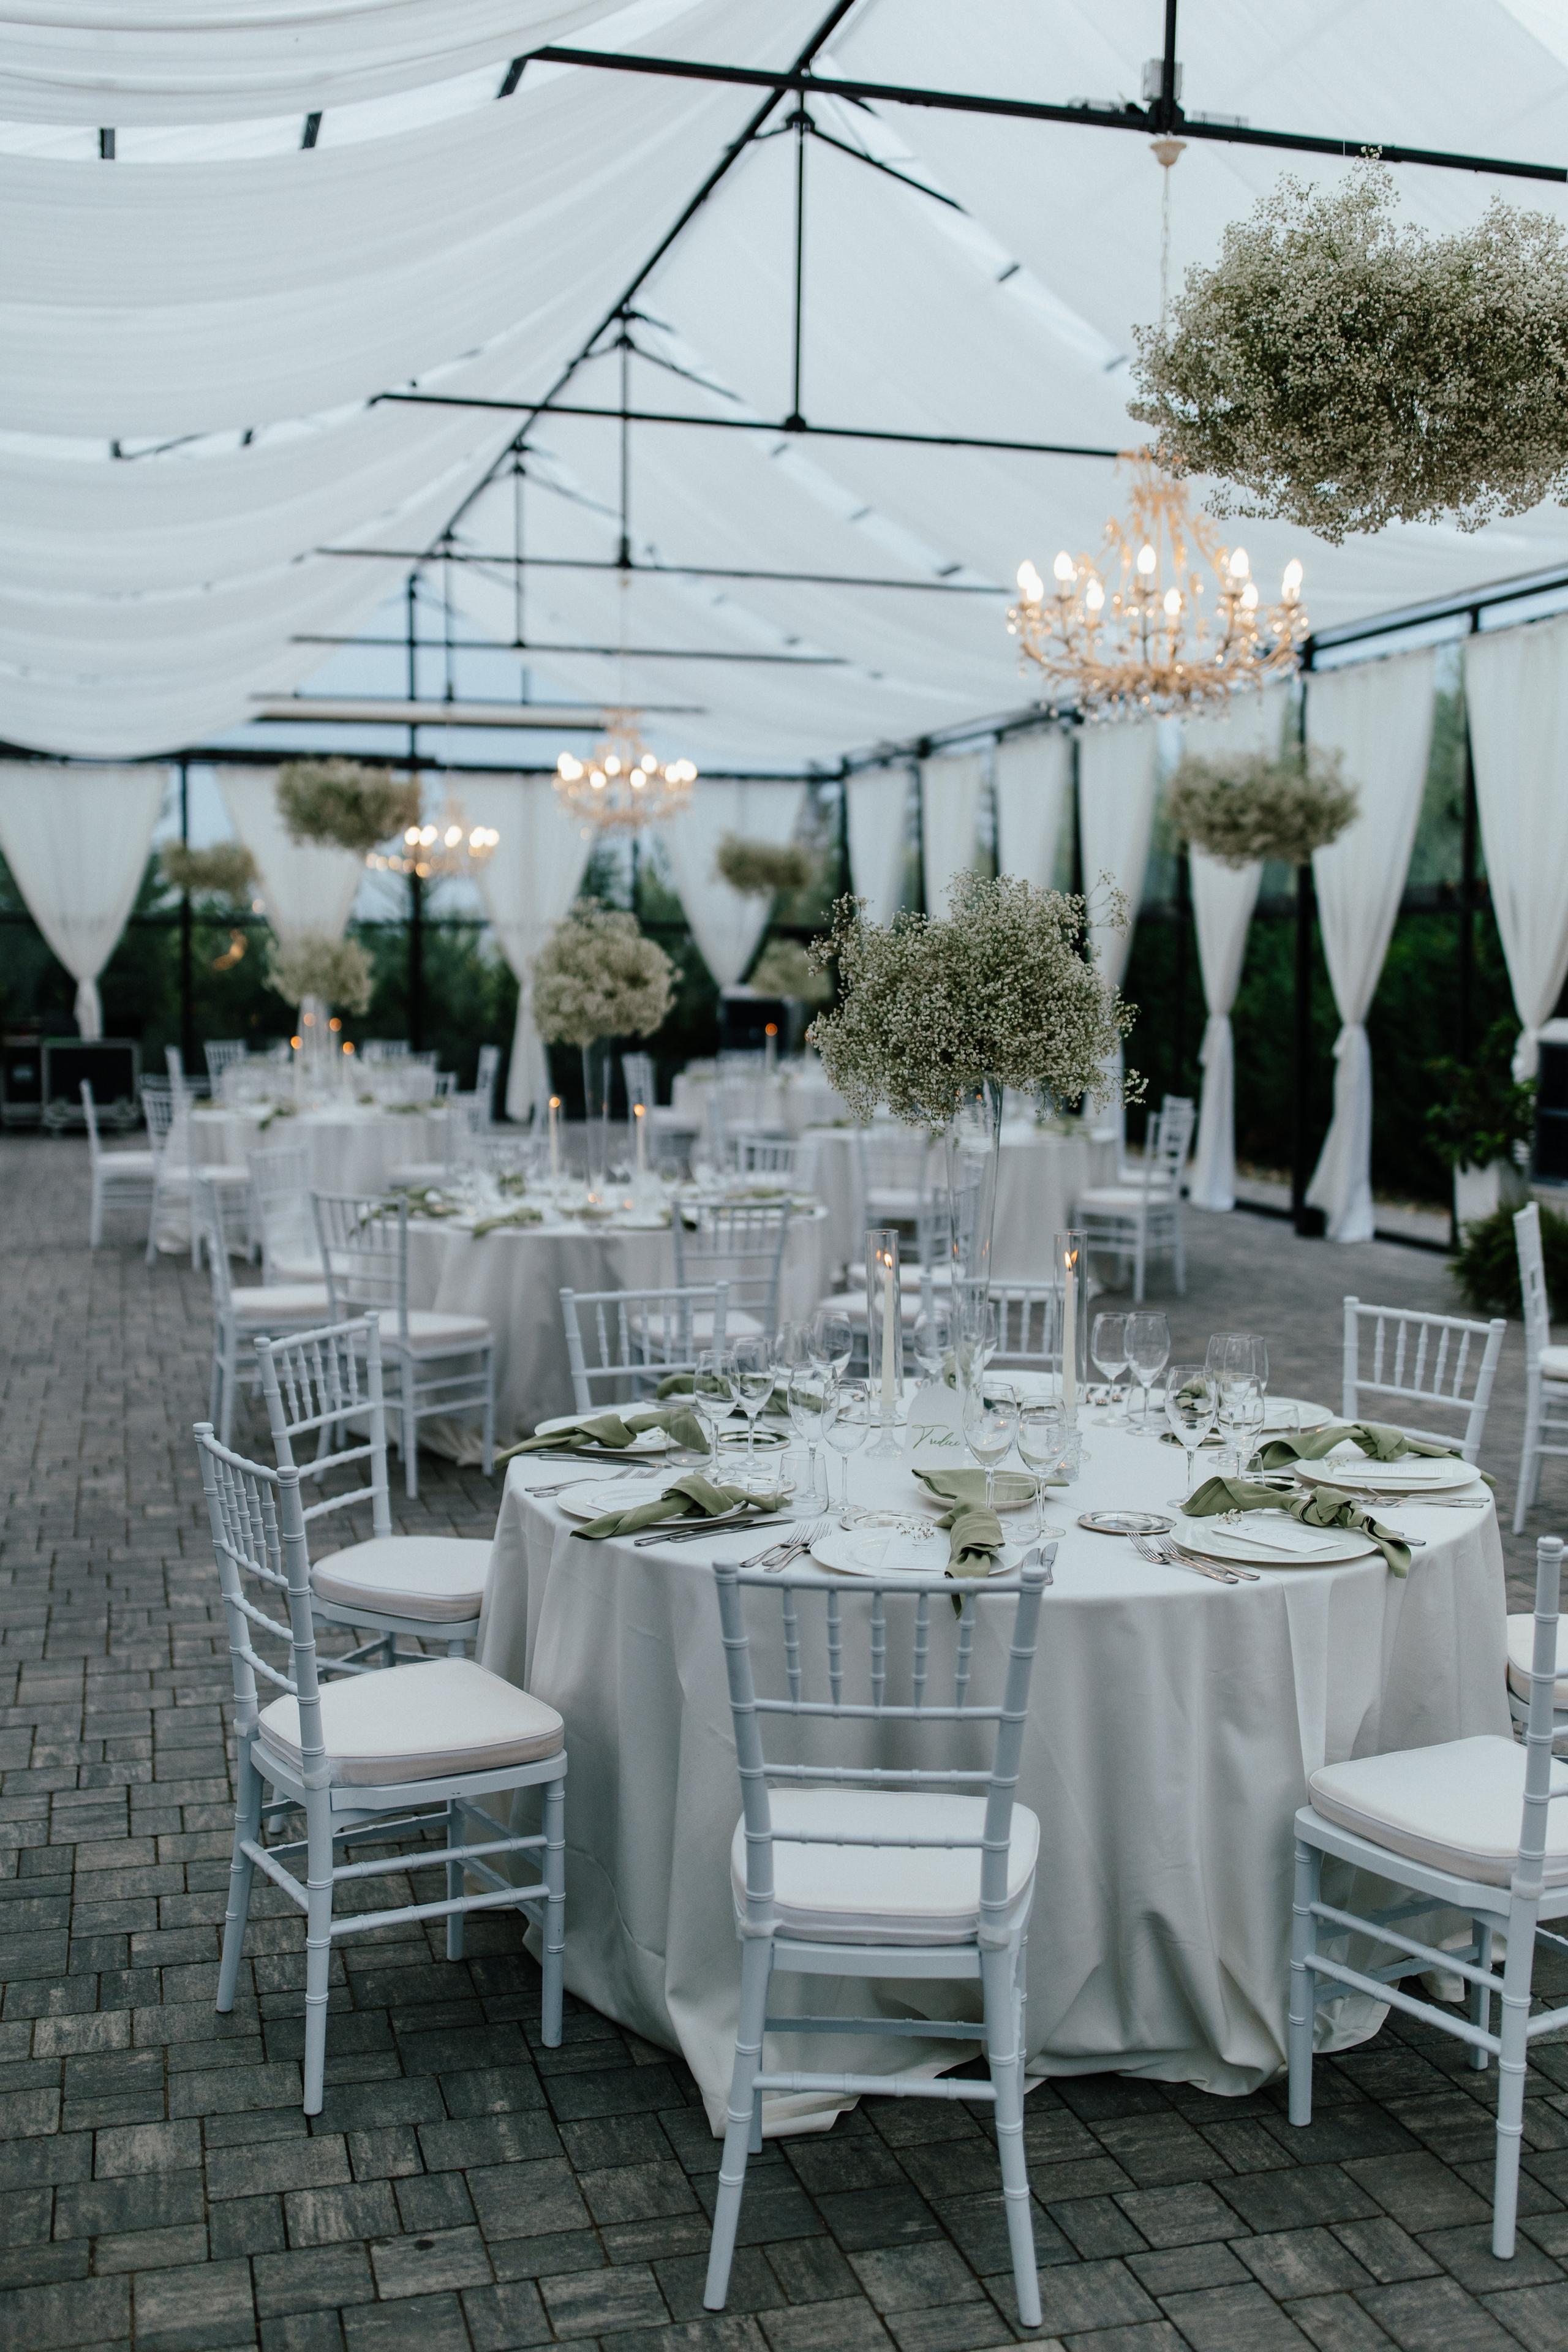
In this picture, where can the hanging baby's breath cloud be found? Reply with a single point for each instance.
(598, 976)
(784, 969)
(344, 803)
(225, 870)
(1004, 991)
(1340, 371)
(1252, 806)
(759, 869)
(337, 970)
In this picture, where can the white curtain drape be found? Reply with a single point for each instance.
(76, 840)
(725, 926)
(879, 839)
(1223, 899)
(950, 787)
(305, 886)
(1378, 714)
(1031, 782)
(1116, 768)
(527, 884)
(1516, 691)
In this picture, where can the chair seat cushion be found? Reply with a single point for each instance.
(441, 1578)
(180, 1171)
(851, 1304)
(141, 1163)
(1554, 1363)
(1124, 1197)
(1521, 1649)
(267, 1300)
(417, 1723)
(1455, 1807)
(892, 1894)
(294, 1267)
(738, 1325)
(893, 1200)
(430, 1334)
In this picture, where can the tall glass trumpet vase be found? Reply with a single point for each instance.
(884, 1335)
(1069, 1276)
(598, 1064)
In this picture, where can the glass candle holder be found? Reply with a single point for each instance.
(1069, 1276)
(884, 1334)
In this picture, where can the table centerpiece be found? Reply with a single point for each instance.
(597, 977)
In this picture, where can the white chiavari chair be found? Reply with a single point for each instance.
(383, 1757)
(848, 1869)
(1141, 1220)
(177, 1171)
(243, 1314)
(742, 1244)
(445, 1364)
(221, 1054)
(280, 1214)
(765, 1155)
(1441, 1361)
(1467, 1826)
(623, 1343)
(120, 1179)
(323, 1385)
(1545, 1369)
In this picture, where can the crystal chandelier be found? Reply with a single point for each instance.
(449, 845)
(1145, 642)
(621, 786)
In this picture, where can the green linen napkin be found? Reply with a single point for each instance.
(974, 1534)
(692, 1497)
(612, 1433)
(680, 1384)
(1378, 1440)
(424, 1200)
(525, 1214)
(969, 1485)
(1320, 1506)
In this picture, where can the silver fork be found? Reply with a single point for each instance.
(1145, 1550)
(1177, 1556)
(780, 1555)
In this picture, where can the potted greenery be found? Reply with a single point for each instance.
(1481, 1124)
(1486, 1265)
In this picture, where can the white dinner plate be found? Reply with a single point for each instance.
(1283, 1412)
(893, 1551)
(1412, 1475)
(599, 1495)
(1307, 1547)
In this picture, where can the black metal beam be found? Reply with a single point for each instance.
(792, 428)
(1511, 591)
(632, 653)
(1147, 121)
(676, 571)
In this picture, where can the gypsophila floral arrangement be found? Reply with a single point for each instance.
(597, 976)
(336, 970)
(1004, 991)
(761, 870)
(227, 870)
(344, 803)
(1252, 806)
(784, 969)
(1339, 371)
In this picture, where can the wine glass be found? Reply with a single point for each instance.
(932, 1339)
(713, 1397)
(1147, 1353)
(1192, 1400)
(753, 1377)
(832, 1342)
(976, 1339)
(806, 1394)
(1241, 1411)
(1042, 1449)
(845, 1418)
(1107, 1346)
(990, 1425)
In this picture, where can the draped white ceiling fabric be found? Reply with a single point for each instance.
(307, 887)
(527, 884)
(76, 840)
(879, 839)
(1379, 716)
(1031, 776)
(951, 788)
(726, 926)
(1516, 691)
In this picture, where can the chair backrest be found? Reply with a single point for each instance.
(161, 1105)
(822, 1685)
(1532, 1284)
(364, 1241)
(1028, 1325)
(258, 1542)
(1539, 1725)
(634, 1338)
(281, 1194)
(90, 1112)
(484, 1078)
(383, 1049)
(206, 1216)
(175, 1063)
(768, 1155)
(892, 1161)
(446, 1085)
(737, 1243)
(221, 1054)
(1169, 1141)
(313, 1384)
(1417, 1358)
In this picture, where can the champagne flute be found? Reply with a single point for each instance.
(753, 1378)
(1042, 1449)
(807, 1392)
(1107, 1346)
(990, 1425)
(1192, 1400)
(832, 1342)
(1147, 1353)
(845, 1418)
(713, 1397)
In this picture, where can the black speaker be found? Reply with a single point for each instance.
(111, 1067)
(21, 1081)
(1552, 1109)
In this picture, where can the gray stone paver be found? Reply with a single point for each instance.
(464, 2189)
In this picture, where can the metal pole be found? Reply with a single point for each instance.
(187, 1008)
(1076, 740)
(795, 419)
(845, 882)
(416, 886)
(1464, 1039)
(1183, 918)
(1301, 1054)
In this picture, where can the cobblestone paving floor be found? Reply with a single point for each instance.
(465, 2191)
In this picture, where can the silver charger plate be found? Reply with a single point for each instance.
(1125, 1523)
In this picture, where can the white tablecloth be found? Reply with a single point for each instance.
(789, 1102)
(352, 1150)
(1039, 1176)
(515, 1278)
(1173, 1726)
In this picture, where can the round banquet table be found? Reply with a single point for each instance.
(353, 1147)
(1173, 1724)
(514, 1278)
(788, 1102)
(1039, 1175)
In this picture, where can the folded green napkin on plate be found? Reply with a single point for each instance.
(524, 1214)
(680, 1384)
(1321, 1506)
(692, 1497)
(969, 1485)
(424, 1200)
(974, 1534)
(612, 1433)
(1376, 1439)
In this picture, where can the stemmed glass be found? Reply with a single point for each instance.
(1241, 1411)
(1042, 1449)
(1107, 1346)
(713, 1397)
(1147, 1353)
(974, 1339)
(1239, 1362)
(754, 1376)
(845, 1418)
(832, 1342)
(932, 1339)
(990, 1425)
(807, 1393)
(1192, 1400)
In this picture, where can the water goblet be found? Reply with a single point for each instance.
(1241, 1411)
(754, 1378)
(832, 1342)
(1147, 1353)
(976, 1339)
(932, 1339)
(806, 1393)
(714, 1398)
(1192, 1400)
(990, 1425)
(1107, 1346)
(1042, 1449)
(845, 1419)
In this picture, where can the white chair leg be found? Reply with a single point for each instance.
(410, 1431)
(153, 1223)
(1303, 1982)
(1528, 1463)
(241, 1870)
(318, 1945)
(554, 1911)
(488, 1438)
(756, 1962)
(230, 1383)
(1180, 1250)
(1480, 1995)
(95, 1217)
(1512, 2062)
(454, 1921)
(1138, 1258)
(1005, 2059)
(215, 1386)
